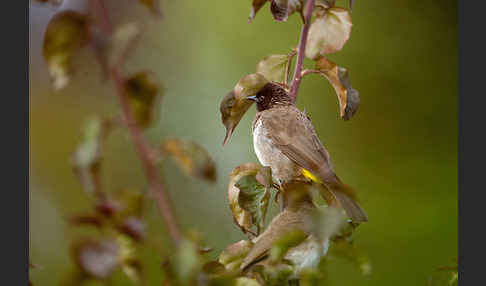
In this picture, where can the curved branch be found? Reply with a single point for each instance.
(294, 88)
(145, 152)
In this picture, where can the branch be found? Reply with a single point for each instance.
(309, 4)
(144, 150)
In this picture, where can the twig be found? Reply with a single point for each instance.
(306, 72)
(145, 154)
(143, 148)
(301, 50)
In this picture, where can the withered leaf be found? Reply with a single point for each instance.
(97, 258)
(89, 154)
(191, 157)
(143, 95)
(153, 6)
(338, 76)
(273, 67)
(66, 32)
(255, 6)
(328, 33)
(282, 9)
(235, 103)
(232, 256)
(286, 242)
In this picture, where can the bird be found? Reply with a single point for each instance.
(285, 140)
(299, 213)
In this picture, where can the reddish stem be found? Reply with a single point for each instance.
(145, 153)
(309, 4)
(143, 148)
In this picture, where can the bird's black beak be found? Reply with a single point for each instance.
(253, 98)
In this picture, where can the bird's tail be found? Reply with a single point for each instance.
(345, 196)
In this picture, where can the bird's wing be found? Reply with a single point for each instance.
(280, 225)
(294, 135)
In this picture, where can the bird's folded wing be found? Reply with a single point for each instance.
(294, 135)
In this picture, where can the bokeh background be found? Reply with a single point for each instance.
(399, 150)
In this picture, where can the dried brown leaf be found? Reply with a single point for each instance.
(191, 157)
(235, 104)
(338, 76)
(66, 32)
(273, 67)
(328, 33)
(143, 94)
(282, 9)
(255, 7)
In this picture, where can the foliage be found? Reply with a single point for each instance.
(118, 217)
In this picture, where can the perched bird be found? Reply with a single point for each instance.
(285, 140)
(297, 212)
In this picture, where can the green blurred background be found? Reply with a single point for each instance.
(399, 150)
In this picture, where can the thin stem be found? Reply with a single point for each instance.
(145, 152)
(301, 50)
(306, 72)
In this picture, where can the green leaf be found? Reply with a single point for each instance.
(232, 256)
(89, 154)
(235, 104)
(191, 157)
(253, 198)
(241, 217)
(245, 281)
(273, 67)
(328, 33)
(275, 275)
(187, 261)
(143, 95)
(338, 76)
(66, 33)
(286, 242)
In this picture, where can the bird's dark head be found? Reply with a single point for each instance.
(271, 95)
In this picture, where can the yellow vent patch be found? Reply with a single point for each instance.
(310, 176)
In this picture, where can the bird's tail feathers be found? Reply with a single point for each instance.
(347, 198)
